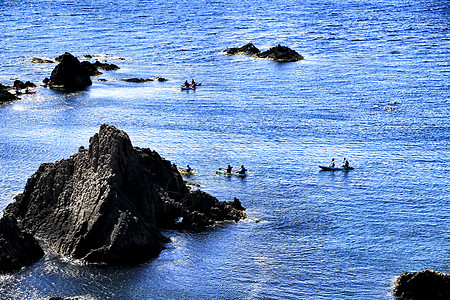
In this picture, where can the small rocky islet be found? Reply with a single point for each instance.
(278, 53)
(106, 204)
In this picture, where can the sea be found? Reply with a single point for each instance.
(373, 88)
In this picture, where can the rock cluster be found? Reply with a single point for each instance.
(248, 49)
(21, 85)
(107, 204)
(17, 248)
(278, 53)
(422, 285)
(6, 96)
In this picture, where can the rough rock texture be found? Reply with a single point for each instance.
(201, 210)
(6, 96)
(106, 204)
(70, 74)
(280, 54)
(17, 248)
(422, 285)
(249, 49)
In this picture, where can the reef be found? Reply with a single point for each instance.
(108, 203)
(422, 285)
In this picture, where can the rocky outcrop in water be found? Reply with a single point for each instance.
(105, 66)
(248, 49)
(106, 204)
(17, 248)
(6, 96)
(280, 54)
(422, 285)
(70, 73)
(38, 60)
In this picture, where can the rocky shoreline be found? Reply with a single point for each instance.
(109, 203)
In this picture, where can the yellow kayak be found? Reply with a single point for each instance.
(184, 172)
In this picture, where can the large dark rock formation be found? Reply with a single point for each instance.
(17, 248)
(70, 74)
(280, 54)
(106, 204)
(249, 49)
(6, 96)
(422, 285)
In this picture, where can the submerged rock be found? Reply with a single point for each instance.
(106, 66)
(280, 54)
(136, 80)
(249, 49)
(17, 248)
(106, 204)
(422, 285)
(70, 73)
(38, 60)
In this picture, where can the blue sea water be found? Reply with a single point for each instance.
(374, 88)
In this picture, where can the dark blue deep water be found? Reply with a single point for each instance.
(374, 87)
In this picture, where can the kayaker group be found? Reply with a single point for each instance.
(242, 171)
(345, 164)
(191, 85)
(228, 170)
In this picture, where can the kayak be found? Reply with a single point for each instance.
(190, 87)
(335, 169)
(236, 173)
(23, 93)
(184, 88)
(184, 172)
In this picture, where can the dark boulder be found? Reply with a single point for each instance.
(249, 49)
(106, 204)
(280, 54)
(17, 248)
(6, 96)
(70, 74)
(422, 285)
